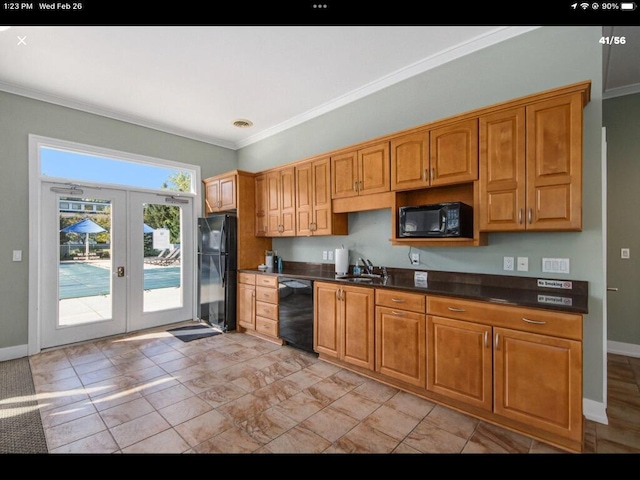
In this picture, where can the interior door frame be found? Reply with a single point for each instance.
(35, 217)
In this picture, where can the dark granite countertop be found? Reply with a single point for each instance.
(502, 289)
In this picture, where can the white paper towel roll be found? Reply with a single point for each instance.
(342, 261)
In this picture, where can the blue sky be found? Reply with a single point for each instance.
(90, 168)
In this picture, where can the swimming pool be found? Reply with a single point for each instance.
(79, 279)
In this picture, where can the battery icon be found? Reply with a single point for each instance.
(628, 6)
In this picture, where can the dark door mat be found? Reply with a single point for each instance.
(194, 332)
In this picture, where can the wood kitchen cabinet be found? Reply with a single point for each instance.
(261, 204)
(246, 298)
(531, 166)
(344, 323)
(361, 172)
(314, 214)
(220, 193)
(281, 203)
(441, 156)
(401, 338)
(257, 309)
(523, 365)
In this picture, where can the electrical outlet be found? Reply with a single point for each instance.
(507, 263)
(324, 255)
(330, 255)
(415, 259)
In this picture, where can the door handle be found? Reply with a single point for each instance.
(612, 289)
(120, 271)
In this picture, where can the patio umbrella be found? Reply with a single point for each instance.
(87, 227)
(147, 229)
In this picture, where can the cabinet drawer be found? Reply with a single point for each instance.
(248, 278)
(413, 302)
(267, 281)
(568, 325)
(267, 326)
(267, 294)
(267, 310)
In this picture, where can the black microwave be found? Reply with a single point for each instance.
(440, 220)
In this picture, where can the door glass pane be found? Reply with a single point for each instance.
(161, 234)
(84, 266)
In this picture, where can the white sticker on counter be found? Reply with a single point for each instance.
(550, 299)
(420, 279)
(555, 284)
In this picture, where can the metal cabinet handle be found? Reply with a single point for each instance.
(398, 300)
(432, 173)
(537, 322)
(399, 314)
(453, 309)
(425, 175)
(355, 186)
(520, 216)
(530, 215)
(497, 344)
(360, 186)
(486, 339)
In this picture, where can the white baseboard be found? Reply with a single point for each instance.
(628, 349)
(594, 411)
(11, 353)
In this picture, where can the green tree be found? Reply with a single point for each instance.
(168, 216)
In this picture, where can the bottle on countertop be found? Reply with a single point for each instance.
(356, 268)
(279, 265)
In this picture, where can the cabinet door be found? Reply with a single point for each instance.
(246, 306)
(410, 161)
(288, 202)
(538, 381)
(212, 195)
(358, 326)
(374, 169)
(227, 191)
(304, 199)
(554, 164)
(401, 345)
(273, 203)
(454, 153)
(261, 205)
(344, 175)
(502, 171)
(321, 199)
(326, 325)
(459, 364)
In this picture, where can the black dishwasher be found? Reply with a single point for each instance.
(295, 304)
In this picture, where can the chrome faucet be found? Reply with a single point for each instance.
(368, 266)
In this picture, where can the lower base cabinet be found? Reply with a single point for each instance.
(343, 326)
(517, 367)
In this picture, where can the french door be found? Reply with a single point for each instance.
(113, 261)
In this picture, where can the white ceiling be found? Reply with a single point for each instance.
(195, 81)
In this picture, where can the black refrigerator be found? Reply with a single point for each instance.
(217, 270)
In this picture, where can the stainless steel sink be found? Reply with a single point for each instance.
(362, 278)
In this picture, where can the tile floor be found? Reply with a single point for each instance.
(149, 392)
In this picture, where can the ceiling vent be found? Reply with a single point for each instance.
(242, 123)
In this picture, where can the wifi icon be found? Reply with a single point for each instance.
(584, 5)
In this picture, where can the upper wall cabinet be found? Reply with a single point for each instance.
(361, 172)
(281, 206)
(220, 193)
(531, 166)
(453, 153)
(314, 214)
(261, 204)
(441, 156)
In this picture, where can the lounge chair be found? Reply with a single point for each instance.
(173, 257)
(161, 256)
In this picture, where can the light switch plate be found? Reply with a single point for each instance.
(625, 253)
(17, 255)
(555, 265)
